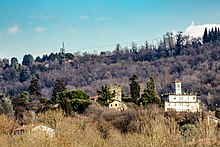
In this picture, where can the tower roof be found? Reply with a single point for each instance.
(177, 81)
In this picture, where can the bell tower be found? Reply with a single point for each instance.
(178, 89)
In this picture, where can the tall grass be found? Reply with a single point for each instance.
(148, 127)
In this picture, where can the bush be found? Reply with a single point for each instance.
(188, 131)
(217, 113)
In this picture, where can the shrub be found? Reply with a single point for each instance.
(188, 131)
(217, 113)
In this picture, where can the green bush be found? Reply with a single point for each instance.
(188, 131)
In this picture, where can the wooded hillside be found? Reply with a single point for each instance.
(176, 57)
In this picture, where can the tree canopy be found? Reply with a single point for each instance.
(134, 88)
(149, 96)
(105, 95)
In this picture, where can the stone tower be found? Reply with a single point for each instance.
(117, 89)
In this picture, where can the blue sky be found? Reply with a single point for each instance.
(40, 26)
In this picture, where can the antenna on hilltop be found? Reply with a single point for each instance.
(62, 49)
(62, 57)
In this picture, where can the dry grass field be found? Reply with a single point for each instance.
(131, 128)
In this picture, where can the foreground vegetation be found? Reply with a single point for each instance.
(102, 128)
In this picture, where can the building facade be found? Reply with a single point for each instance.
(117, 103)
(179, 101)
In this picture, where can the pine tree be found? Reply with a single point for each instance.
(149, 96)
(105, 96)
(27, 60)
(146, 45)
(75, 100)
(205, 36)
(59, 86)
(14, 62)
(212, 35)
(24, 74)
(218, 35)
(6, 105)
(209, 36)
(34, 89)
(134, 89)
(178, 43)
(215, 34)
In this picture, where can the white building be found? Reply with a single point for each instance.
(34, 129)
(179, 101)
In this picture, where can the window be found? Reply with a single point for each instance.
(178, 85)
(116, 105)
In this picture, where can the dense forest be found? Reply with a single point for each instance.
(194, 61)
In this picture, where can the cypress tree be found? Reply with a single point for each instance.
(215, 34)
(134, 89)
(212, 35)
(34, 89)
(59, 86)
(149, 96)
(218, 36)
(209, 36)
(205, 36)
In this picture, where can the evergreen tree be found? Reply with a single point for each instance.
(75, 100)
(59, 86)
(28, 60)
(205, 36)
(6, 105)
(44, 105)
(209, 36)
(149, 96)
(105, 96)
(6, 63)
(212, 35)
(34, 88)
(146, 45)
(178, 43)
(38, 59)
(218, 35)
(20, 104)
(134, 88)
(215, 34)
(14, 62)
(52, 57)
(24, 74)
